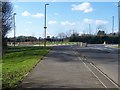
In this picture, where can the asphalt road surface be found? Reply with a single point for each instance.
(67, 67)
(105, 58)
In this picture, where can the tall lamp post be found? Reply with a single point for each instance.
(89, 29)
(45, 27)
(119, 17)
(14, 29)
(119, 22)
(113, 29)
(113, 25)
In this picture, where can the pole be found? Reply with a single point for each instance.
(113, 25)
(112, 29)
(14, 29)
(45, 27)
(119, 20)
(119, 17)
(89, 29)
(39, 41)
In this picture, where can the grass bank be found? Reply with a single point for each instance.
(18, 61)
(119, 46)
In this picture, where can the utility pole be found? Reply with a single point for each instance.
(89, 29)
(113, 29)
(113, 25)
(45, 27)
(119, 18)
(39, 41)
(14, 29)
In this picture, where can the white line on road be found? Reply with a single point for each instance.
(101, 48)
(91, 71)
(105, 75)
(95, 75)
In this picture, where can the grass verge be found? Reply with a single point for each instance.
(18, 61)
(119, 46)
(116, 46)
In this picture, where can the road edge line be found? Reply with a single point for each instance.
(105, 75)
(91, 71)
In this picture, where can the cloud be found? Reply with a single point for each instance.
(116, 3)
(68, 23)
(26, 29)
(29, 22)
(53, 1)
(99, 22)
(56, 14)
(38, 15)
(85, 7)
(86, 20)
(16, 6)
(52, 22)
(26, 13)
(116, 30)
(80, 33)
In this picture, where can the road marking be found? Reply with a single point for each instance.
(101, 48)
(104, 75)
(95, 75)
(91, 71)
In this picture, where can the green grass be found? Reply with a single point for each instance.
(18, 61)
(118, 46)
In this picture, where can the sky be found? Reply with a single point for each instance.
(64, 17)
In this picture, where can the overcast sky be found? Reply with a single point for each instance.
(64, 16)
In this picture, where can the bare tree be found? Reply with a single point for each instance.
(0, 32)
(70, 32)
(6, 14)
(101, 28)
(62, 35)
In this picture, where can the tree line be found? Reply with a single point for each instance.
(100, 38)
(33, 39)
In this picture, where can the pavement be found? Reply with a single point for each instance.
(66, 67)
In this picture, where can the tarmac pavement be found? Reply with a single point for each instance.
(64, 67)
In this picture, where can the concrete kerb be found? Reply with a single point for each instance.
(81, 44)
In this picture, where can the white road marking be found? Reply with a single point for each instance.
(91, 71)
(101, 48)
(105, 75)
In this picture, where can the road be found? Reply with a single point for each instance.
(66, 67)
(105, 58)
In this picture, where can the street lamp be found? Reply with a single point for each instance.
(119, 17)
(113, 29)
(45, 27)
(113, 25)
(14, 28)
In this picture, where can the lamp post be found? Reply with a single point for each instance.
(113, 25)
(113, 29)
(14, 29)
(119, 17)
(89, 29)
(45, 27)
